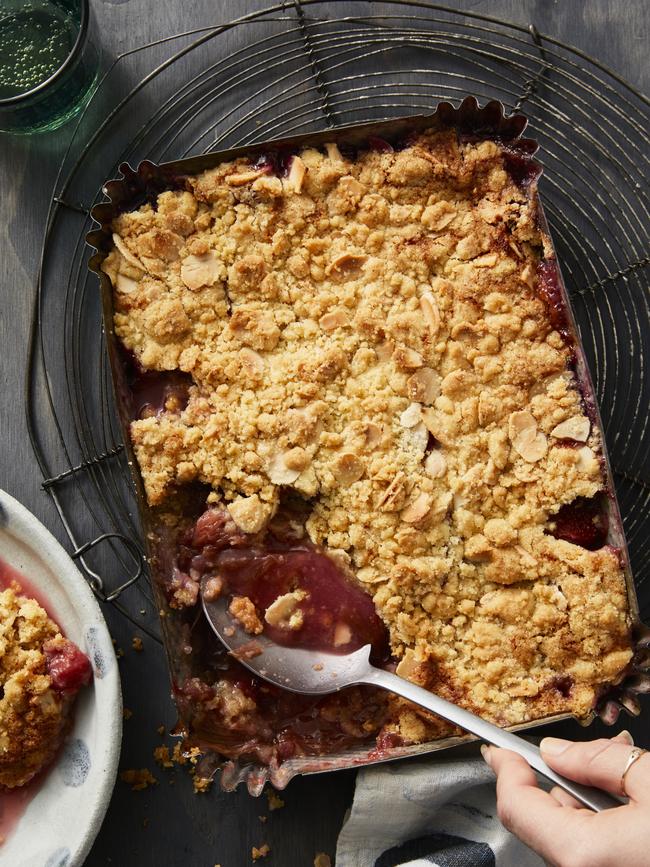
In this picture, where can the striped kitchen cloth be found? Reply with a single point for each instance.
(427, 813)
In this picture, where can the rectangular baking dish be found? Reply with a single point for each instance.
(136, 186)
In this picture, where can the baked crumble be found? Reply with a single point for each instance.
(40, 674)
(372, 334)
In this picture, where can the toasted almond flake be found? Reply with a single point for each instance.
(518, 422)
(372, 434)
(587, 461)
(334, 319)
(252, 362)
(575, 428)
(281, 613)
(125, 285)
(346, 262)
(411, 416)
(238, 179)
(342, 634)
(435, 464)
(424, 385)
(530, 445)
(488, 260)
(199, 271)
(348, 468)
(418, 509)
(297, 174)
(392, 498)
(126, 253)
(384, 350)
(407, 358)
(415, 440)
(333, 152)
(369, 575)
(407, 666)
(278, 471)
(430, 312)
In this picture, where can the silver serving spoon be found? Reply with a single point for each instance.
(314, 672)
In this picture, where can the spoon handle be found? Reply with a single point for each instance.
(595, 799)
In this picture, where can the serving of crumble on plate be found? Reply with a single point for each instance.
(60, 704)
(354, 405)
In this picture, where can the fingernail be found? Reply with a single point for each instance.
(625, 737)
(485, 752)
(554, 746)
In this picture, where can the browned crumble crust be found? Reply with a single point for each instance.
(33, 715)
(333, 322)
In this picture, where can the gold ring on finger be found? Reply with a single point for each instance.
(635, 755)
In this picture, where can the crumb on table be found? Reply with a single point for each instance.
(275, 801)
(138, 778)
(262, 852)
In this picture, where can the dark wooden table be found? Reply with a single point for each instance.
(168, 824)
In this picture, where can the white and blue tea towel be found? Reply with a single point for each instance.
(428, 813)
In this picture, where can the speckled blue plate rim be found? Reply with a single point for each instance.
(73, 765)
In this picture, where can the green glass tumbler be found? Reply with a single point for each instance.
(49, 63)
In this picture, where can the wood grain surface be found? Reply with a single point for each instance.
(168, 824)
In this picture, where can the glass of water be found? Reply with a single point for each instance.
(49, 63)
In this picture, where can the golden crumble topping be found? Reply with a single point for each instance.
(370, 333)
(33, 715)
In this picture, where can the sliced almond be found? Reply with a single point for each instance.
(278, 471)
(407, 666)
(199, 271)
(238, 179)
(407, 358)
(372, 434)
(435, 464)
(333, 320)
(252, 362)
(346, 263)
(384, 350)
(423, 385)
(128, 255)
(430, 312)
(125, 285)
(519, 422)
(297, 174)
(418, 509)
(282, 612)
(415, 440)
(575, 428)
(587, 461)
(411, 416)
(333, 152)
(392, 499)
(531, 446)
(348, 468)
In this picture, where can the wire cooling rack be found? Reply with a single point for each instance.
(298, 67)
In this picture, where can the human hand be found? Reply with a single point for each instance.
(555, 825)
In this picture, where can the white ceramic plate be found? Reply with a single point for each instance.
(60, 823)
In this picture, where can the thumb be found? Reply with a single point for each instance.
(599, 763)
